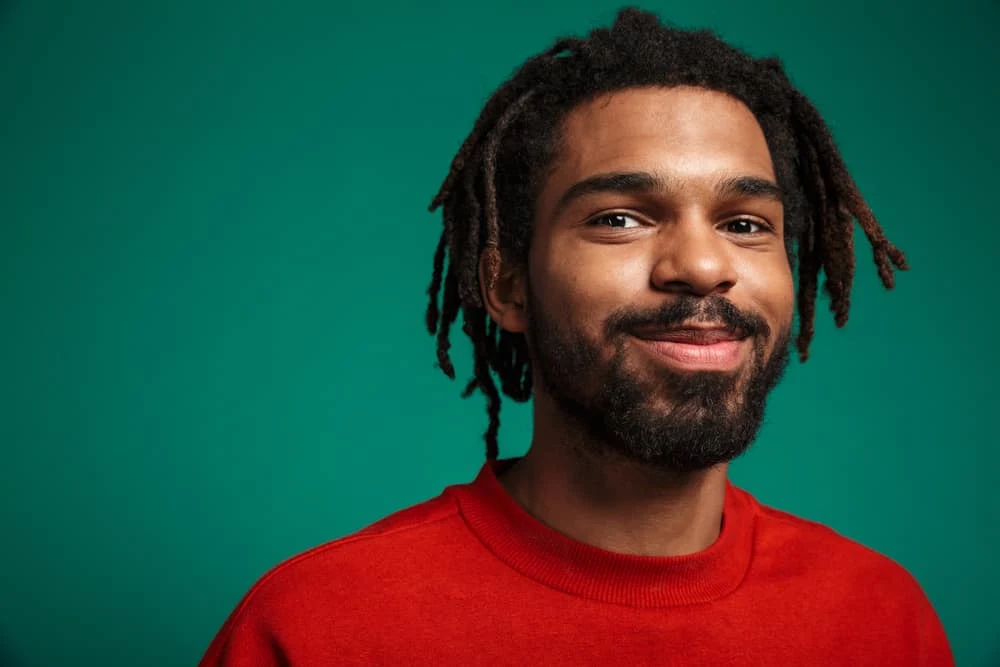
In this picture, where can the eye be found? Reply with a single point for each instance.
(746, 226)
(615, 220)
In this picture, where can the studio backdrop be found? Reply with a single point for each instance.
(214, 256)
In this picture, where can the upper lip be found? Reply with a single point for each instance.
(695, 333)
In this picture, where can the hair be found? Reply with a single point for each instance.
(488, 196)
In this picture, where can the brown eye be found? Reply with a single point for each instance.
(616, 220)
(744, 226)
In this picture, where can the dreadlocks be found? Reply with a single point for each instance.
(488, 195)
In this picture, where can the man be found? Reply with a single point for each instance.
(620, 231)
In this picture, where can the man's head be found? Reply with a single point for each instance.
(621, 227)
(658, 299)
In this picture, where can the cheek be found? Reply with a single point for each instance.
(585, 283)
(581, 284)
(771, 288)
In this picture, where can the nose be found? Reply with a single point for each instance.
(693, 258)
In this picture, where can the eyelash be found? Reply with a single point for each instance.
(594, 222)
(764, 227)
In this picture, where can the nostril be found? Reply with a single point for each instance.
(677, 287)
(698, 289)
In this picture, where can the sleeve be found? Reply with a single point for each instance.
(246, 639)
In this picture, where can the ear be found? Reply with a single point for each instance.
(503, 292)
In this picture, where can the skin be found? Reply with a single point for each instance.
(682, 236)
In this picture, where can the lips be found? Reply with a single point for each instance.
(696, 347)
(693, 335)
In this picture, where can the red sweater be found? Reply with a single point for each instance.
(469, 578)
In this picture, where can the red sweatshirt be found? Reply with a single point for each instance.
(470, 578)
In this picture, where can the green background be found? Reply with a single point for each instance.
(214, 248)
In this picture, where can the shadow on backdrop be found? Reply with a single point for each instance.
(6, 657)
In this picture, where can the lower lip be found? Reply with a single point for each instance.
(721, 356)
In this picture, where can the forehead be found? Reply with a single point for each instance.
(681, 131)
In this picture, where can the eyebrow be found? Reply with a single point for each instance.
(749, 186)
(632, 182)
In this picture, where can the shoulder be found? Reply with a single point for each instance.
(403, 545)
(388, 544)
(788, 545)
(291, 603)
(859, 595)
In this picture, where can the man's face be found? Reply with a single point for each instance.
(660, 298)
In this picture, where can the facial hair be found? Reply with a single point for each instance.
(667, 419)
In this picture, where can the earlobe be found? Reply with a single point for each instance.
(502, 289)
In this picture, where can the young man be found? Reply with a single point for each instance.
(620, 230)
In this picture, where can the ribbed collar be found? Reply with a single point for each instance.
(551, 558)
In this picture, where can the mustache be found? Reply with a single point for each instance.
(687, 308)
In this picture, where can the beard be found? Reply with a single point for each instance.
(655, 415)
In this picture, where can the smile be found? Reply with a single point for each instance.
(710, 349)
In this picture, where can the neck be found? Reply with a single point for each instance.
(619, 505)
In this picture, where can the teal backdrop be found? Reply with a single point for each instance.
(214, 251)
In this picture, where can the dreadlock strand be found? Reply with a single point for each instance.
(808, 282)
(446, 246)
(504, 363)
(432, 291)
(831, 222)
(486, 119)
(499, 101)
(492, 212)
(811, 241)
(517, 381)
(477, 330)
(449, 312)
(810, 261)
(885, 254)
(526, 383)
(469, 285)
(838, 239)
(491, 337)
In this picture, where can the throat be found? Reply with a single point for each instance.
(619, 506)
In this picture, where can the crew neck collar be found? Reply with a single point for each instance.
(555, 560)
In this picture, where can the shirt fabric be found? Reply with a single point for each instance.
(470, 578)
